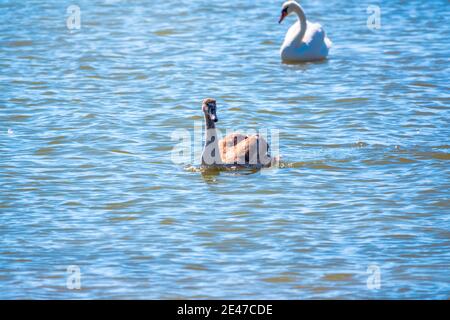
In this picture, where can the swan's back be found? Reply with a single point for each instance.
(240, 149)
(315, 35)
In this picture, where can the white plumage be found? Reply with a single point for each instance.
(304, 41)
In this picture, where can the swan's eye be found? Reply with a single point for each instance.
(285, 10)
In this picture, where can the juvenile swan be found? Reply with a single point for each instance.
(235, 148)
(304, 41)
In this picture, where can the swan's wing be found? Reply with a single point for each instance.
(314, 33)
(252, 150)
(233, 139)
(235, 153)
(328, 42)
(227, 146)
(258, 150)
(314, 45)
(317, 40)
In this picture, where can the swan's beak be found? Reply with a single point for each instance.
(283, 15)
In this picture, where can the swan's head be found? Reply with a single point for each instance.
(209, 109)
(286, 10)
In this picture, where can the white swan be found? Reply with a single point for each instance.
(304, 41)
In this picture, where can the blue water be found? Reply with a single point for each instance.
(87, 178)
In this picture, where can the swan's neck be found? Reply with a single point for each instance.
(302, 20)
(211, 154)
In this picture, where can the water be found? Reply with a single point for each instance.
(86, 175)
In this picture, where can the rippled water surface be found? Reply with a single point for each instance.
(87, 179)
